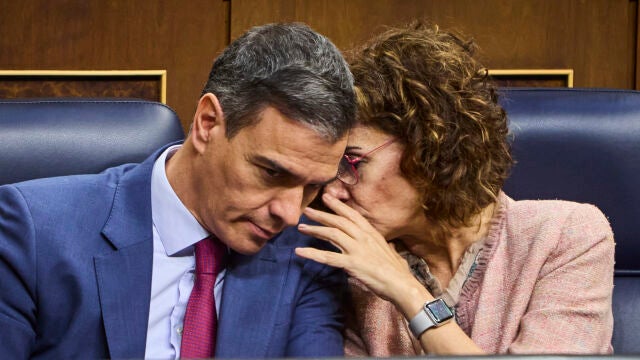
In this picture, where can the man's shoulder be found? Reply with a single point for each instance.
(56, 186)
(65, 196)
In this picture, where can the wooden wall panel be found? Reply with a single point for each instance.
(148, 85)
(637, 68)
(596, 38)
(182, 37)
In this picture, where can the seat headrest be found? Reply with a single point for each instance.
(581, 145)
(52, 137)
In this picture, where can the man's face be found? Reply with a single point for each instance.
(250, 187)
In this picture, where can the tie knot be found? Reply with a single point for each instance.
(210, 256)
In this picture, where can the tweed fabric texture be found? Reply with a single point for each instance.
(542, 284)
(200, 319)
(451, 294)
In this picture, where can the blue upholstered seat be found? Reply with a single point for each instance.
(584, 145)
(51, 137)
(572, 144)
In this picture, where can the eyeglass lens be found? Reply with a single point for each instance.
(347, 172)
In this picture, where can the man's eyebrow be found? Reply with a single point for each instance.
(265, 161)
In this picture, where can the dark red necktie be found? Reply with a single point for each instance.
(200, 320)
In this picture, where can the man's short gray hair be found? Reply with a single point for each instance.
(290, 67)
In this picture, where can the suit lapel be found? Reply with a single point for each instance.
(251, 299)
(124, 274)
(124, 283)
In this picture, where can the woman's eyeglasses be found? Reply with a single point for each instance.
(348, 171)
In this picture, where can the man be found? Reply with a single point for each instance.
(102, 266)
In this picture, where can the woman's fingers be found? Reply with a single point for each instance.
(346, 211)
(333, 235)
(325, 257)
(346, 229)
(339, 207)
(334, 221)
(346, 219)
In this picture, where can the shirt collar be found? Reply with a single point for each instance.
(176, 227)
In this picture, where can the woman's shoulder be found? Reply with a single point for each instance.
(561, 212)
(556, 220)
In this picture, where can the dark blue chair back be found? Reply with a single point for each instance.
(52, 137)
(584, 145)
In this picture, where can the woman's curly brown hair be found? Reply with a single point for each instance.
(423, 86)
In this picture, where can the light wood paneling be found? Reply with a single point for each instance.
(596, 38)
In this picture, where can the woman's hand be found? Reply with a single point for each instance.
(365, 254)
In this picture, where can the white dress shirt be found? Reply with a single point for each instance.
(175, 231)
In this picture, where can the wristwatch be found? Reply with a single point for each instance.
(433, 314)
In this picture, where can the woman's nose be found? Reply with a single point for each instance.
(338, 190)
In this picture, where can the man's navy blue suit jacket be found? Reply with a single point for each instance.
(75, 277)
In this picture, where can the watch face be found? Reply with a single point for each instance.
(440, 310)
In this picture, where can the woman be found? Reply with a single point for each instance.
(419, 216)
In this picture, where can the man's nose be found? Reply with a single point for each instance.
(288, 206)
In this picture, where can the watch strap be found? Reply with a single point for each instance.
(433, 314)
(421, 322)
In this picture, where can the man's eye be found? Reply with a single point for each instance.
(271, 172)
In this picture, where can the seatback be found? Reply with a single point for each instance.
(584, 145)
(64, 136)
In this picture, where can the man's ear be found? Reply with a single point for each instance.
(208, 121)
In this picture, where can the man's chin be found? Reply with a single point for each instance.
(249, 247)
(247, 239)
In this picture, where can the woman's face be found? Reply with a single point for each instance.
(382, 195)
